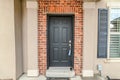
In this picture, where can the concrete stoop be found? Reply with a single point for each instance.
(62, 72)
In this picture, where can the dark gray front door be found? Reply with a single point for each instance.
(60, 36)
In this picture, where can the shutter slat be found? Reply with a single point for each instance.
(102, 33)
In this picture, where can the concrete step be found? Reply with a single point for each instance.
(60, 72)
(76, 78)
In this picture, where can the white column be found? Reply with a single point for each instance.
(88, 48)
(32, 43)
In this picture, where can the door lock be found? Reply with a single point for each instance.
(70, 44)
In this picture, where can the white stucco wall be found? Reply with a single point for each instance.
(11, 64)
(90, 59)
(7, 40)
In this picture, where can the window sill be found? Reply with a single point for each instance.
(112, 60)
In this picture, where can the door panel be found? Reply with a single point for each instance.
(56, 35)
(64, 51)
(64, 35)
(59, 35)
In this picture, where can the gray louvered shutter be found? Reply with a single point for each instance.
(102, 33)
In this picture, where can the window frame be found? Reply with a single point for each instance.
(108, 42)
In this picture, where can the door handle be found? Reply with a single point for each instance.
(69, 52)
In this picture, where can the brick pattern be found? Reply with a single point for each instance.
(60, 7)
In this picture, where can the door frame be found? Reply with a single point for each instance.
(48, 37)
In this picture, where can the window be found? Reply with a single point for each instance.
(114, 33)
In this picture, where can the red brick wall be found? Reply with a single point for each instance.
(60, 7)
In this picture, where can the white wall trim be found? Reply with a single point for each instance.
(112, 60)
(87, 73)
(33, 73)
(89, 5)
(32, 4)
(113, 4)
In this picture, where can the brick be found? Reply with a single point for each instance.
(60, 6)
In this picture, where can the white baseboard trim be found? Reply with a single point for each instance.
(33, 73)
(87, 73)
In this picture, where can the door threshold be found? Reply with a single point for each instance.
(59, 67)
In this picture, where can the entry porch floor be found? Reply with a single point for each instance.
(57, 72)
(25, 77)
